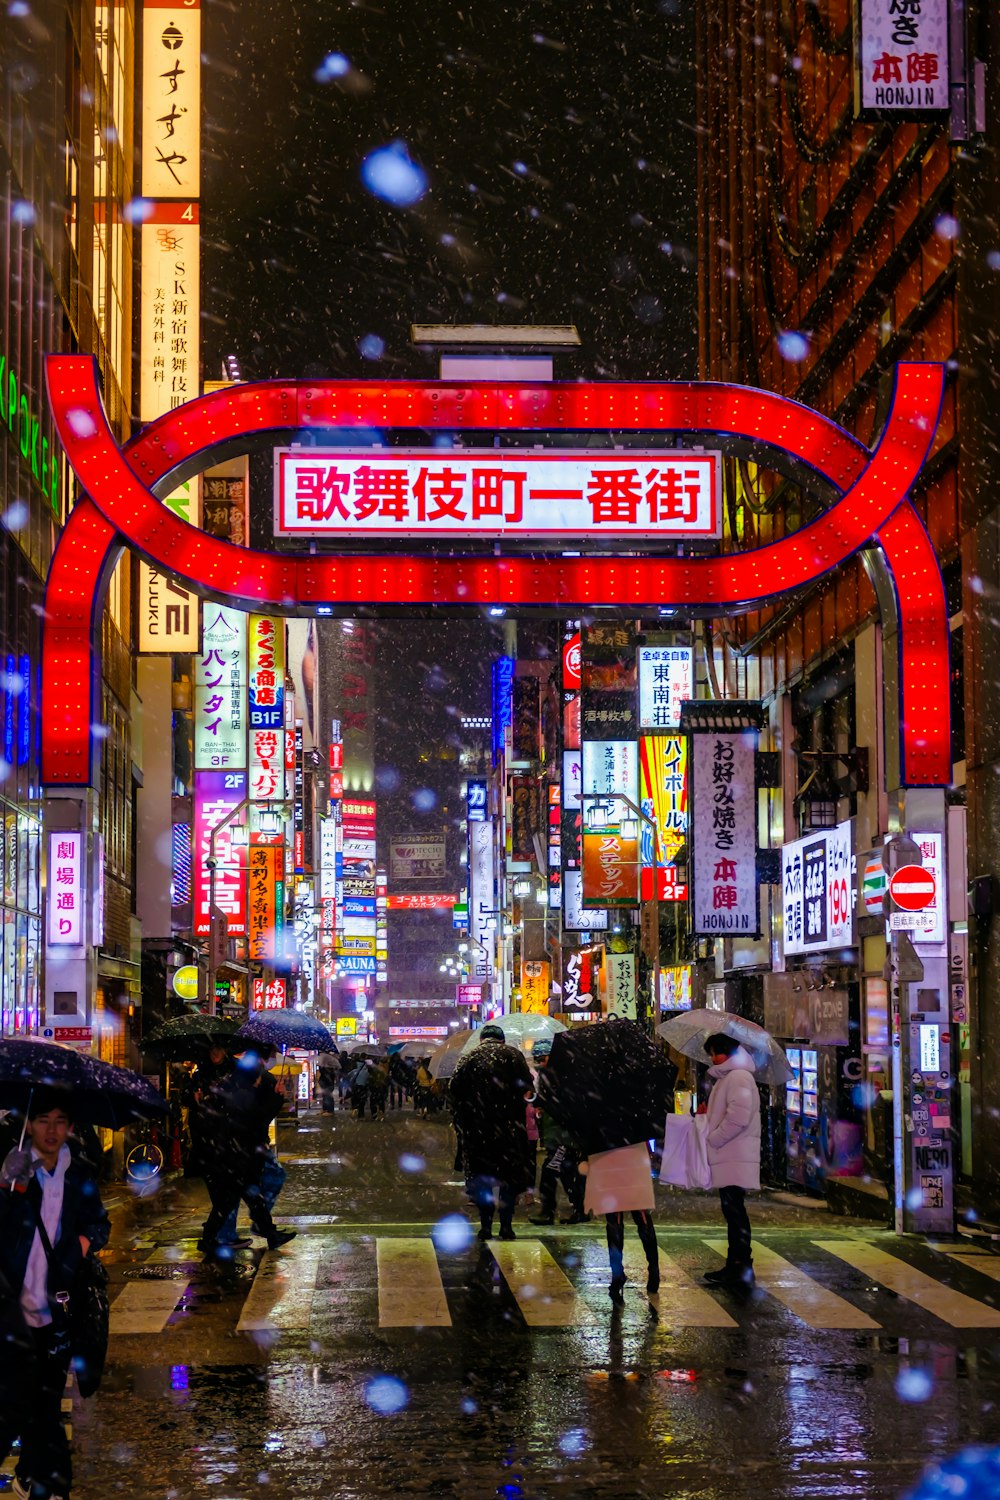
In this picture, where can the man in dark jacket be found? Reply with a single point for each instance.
(236, 1115)
(562, 1158)
(206, 1077)
(489, 1100)
(46, 1193)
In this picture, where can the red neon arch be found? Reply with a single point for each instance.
(872, 491)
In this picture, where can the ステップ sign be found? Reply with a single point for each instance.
(427, 493)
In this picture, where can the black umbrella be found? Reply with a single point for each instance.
(607, 1084)
(287, 1028)
(102, 1094)
(189, 1036)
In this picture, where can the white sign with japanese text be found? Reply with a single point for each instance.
(426, 493)
(65, 889)
(666, 680)
(171, 99)
(169, 309)
(220, 691)
(609, 767)
(723, 833)
(577, 917)
(169, 615)
(817, 891)
(933, 925)
(620, 975)
(481, 899)
(902, 54)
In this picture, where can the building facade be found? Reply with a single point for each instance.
(832, 246)
(66, 133)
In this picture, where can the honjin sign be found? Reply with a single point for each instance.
(427, 493)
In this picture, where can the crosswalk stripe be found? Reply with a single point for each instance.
(410, 1289)
(805, 1298)
(172, 1255)
(983, 1261)
(281, 1297)
(145, 1306)
(916, 1286)
(545, 1296)
(680, 1301)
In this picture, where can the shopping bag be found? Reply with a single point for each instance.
(685, 1152)
(674, 1165)
(699, 1171)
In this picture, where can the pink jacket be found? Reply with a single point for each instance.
(734, 1123)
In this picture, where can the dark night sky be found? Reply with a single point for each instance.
(559, 145)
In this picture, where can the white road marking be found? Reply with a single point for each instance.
(916, 1286)
(806, 1298)
(410, 1289)
(680, 1302)
(281, 1297)
(145, 1306)
(545, 1296)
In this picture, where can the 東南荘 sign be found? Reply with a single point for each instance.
(427, 493)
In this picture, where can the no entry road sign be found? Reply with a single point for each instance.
(912, 888)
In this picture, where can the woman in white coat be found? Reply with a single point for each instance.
(733, 1140)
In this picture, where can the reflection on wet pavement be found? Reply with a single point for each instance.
(375, 1355)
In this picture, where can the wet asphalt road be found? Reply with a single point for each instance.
(271, 1376)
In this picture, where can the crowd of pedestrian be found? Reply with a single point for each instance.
(502, 1111)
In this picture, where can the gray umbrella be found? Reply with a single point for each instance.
(688, 1032)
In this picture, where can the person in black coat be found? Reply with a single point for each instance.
(45, 1192)
(236, 1115)
(209, 1073)
(489, 1099)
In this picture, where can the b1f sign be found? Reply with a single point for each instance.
(426, 493)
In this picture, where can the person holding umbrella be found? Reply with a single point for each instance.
(51, 1219)
(610, 1087)
(620, 1181)
(489, 1092)
(239, 1110)
(733, 1152)
(562, 1158)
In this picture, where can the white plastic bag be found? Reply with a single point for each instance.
(685, 1152)
(699, 1171)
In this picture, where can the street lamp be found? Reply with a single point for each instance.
(598, 816)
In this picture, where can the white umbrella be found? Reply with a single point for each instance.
(445, 1060)
(521, 1029)
(689, 1031)
(415, 1050)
